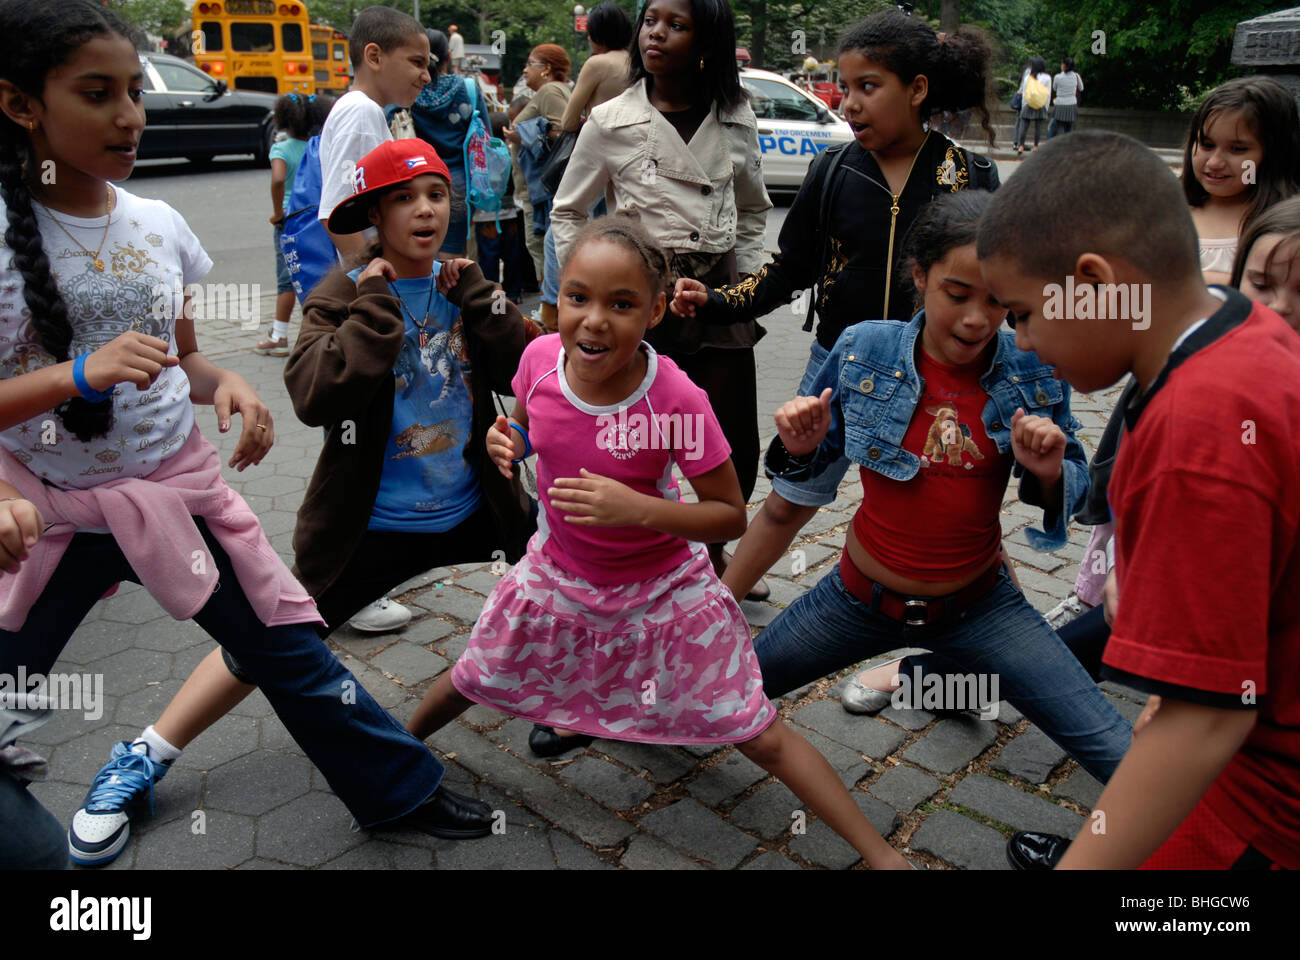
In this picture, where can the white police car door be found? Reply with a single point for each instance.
(790, 131)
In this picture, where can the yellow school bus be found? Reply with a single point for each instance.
(329, 54)
(255, 44)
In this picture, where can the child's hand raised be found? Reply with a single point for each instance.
(1038, 444)
(449, 275)
(133, 357)
(378, 267)
(501, 445)
(595, 501)
(687, 295)
(21, 525)
(802, 422)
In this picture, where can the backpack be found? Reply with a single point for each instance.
(1035, 93)
(487, 163)
(308, 251)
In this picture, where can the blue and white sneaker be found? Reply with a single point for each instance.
(102, 826)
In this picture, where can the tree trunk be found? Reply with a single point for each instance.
(758, 16)
(949, 15)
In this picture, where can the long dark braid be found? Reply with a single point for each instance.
(34, 39)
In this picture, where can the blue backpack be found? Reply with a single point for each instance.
(309, 252)
(487, 163)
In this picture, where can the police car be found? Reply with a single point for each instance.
(793, 127)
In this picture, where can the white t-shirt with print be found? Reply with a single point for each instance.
(354, 127)
(150, 255)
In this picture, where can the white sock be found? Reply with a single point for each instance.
(159, 749)
(279, 331)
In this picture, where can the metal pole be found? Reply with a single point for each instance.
(417, 8)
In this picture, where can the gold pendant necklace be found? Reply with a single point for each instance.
(108, 214)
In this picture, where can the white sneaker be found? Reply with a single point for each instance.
(1071, 608)
(381, 616)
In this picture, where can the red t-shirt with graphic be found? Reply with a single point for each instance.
(1206, 498)
(943, 524)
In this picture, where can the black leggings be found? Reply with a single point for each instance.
(729, 378)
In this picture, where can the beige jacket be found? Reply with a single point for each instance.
(708, 197)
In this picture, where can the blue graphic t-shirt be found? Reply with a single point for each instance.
(427, 485)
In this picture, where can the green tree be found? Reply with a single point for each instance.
(163, 17)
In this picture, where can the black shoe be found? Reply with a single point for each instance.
(1036, 851)
(545, 742)
(449, 815)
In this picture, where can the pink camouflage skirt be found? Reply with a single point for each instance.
(667, 660)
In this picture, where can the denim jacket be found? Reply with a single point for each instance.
(872, 370)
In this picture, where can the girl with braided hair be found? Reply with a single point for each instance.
(99, 374)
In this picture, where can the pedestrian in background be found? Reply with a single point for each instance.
(605, 74)
(1035, 90)
(456, 47)
(1066, 87)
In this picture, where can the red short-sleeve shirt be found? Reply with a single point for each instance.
(1206, 500)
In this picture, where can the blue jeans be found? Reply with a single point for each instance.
(502, 248)
(30, 837)
(823, 488)
(378, 769)
(458, 223)
(550, 271)
(283, 283)
(828, 629)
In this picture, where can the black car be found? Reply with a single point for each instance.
(189, 114)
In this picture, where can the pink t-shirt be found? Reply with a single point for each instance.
(666, 420)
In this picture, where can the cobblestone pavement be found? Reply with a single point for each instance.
(946, 792)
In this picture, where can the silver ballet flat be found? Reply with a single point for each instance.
(857, 698)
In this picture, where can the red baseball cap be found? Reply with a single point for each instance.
(390, 163)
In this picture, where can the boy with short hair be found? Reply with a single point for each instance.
(1205, 496)
(390, 60)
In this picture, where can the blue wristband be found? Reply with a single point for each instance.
(528, 444)
(83, 385)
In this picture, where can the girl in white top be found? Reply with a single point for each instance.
(1037, 69)
(1242, 155)
(1066, 87)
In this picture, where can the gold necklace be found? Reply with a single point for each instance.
(108, 214)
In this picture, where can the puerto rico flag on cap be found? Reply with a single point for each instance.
(389, 164)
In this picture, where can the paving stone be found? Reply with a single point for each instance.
(768, 812)
(1034, 558)
(1081, 787)
(94, 640)
(1004, 803)
(952, 744)
(771, 861)
(409, 663)
(387, 693)
(258, 782)
(823, 521)
(904, 787)
(145, 706)
(481, 582)
(481, 716)
(78, 760)
(513, 735)
(961, 841)
(452, 647)
(758, 614)
(662, 764)
(847, 763)
(131, 670)
(866, 735)
(699, 832)
(702, 750)
(421, 580)
(1129, 710)
(807, 556)
(225, 841)
(784, 592)
(607, 783)
(179, 794)
(1031, 756)
(275, 738)
(254, 705)
(571, 855)
(61, 799)
(231, 736)
(1008, 714)
(448, 601)
(519, 848)
(1040, 582)
(362, 646)
(825, 848)
(906, 717)
(311, 830)
(730, 776)
(563, 807)
(647, 853)
(130, 606)
(67, 725)
(381, 855)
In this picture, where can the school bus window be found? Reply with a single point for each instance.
(339, 55)
(320, 51)
(291, 37)
(252, 37)
(212, 42)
